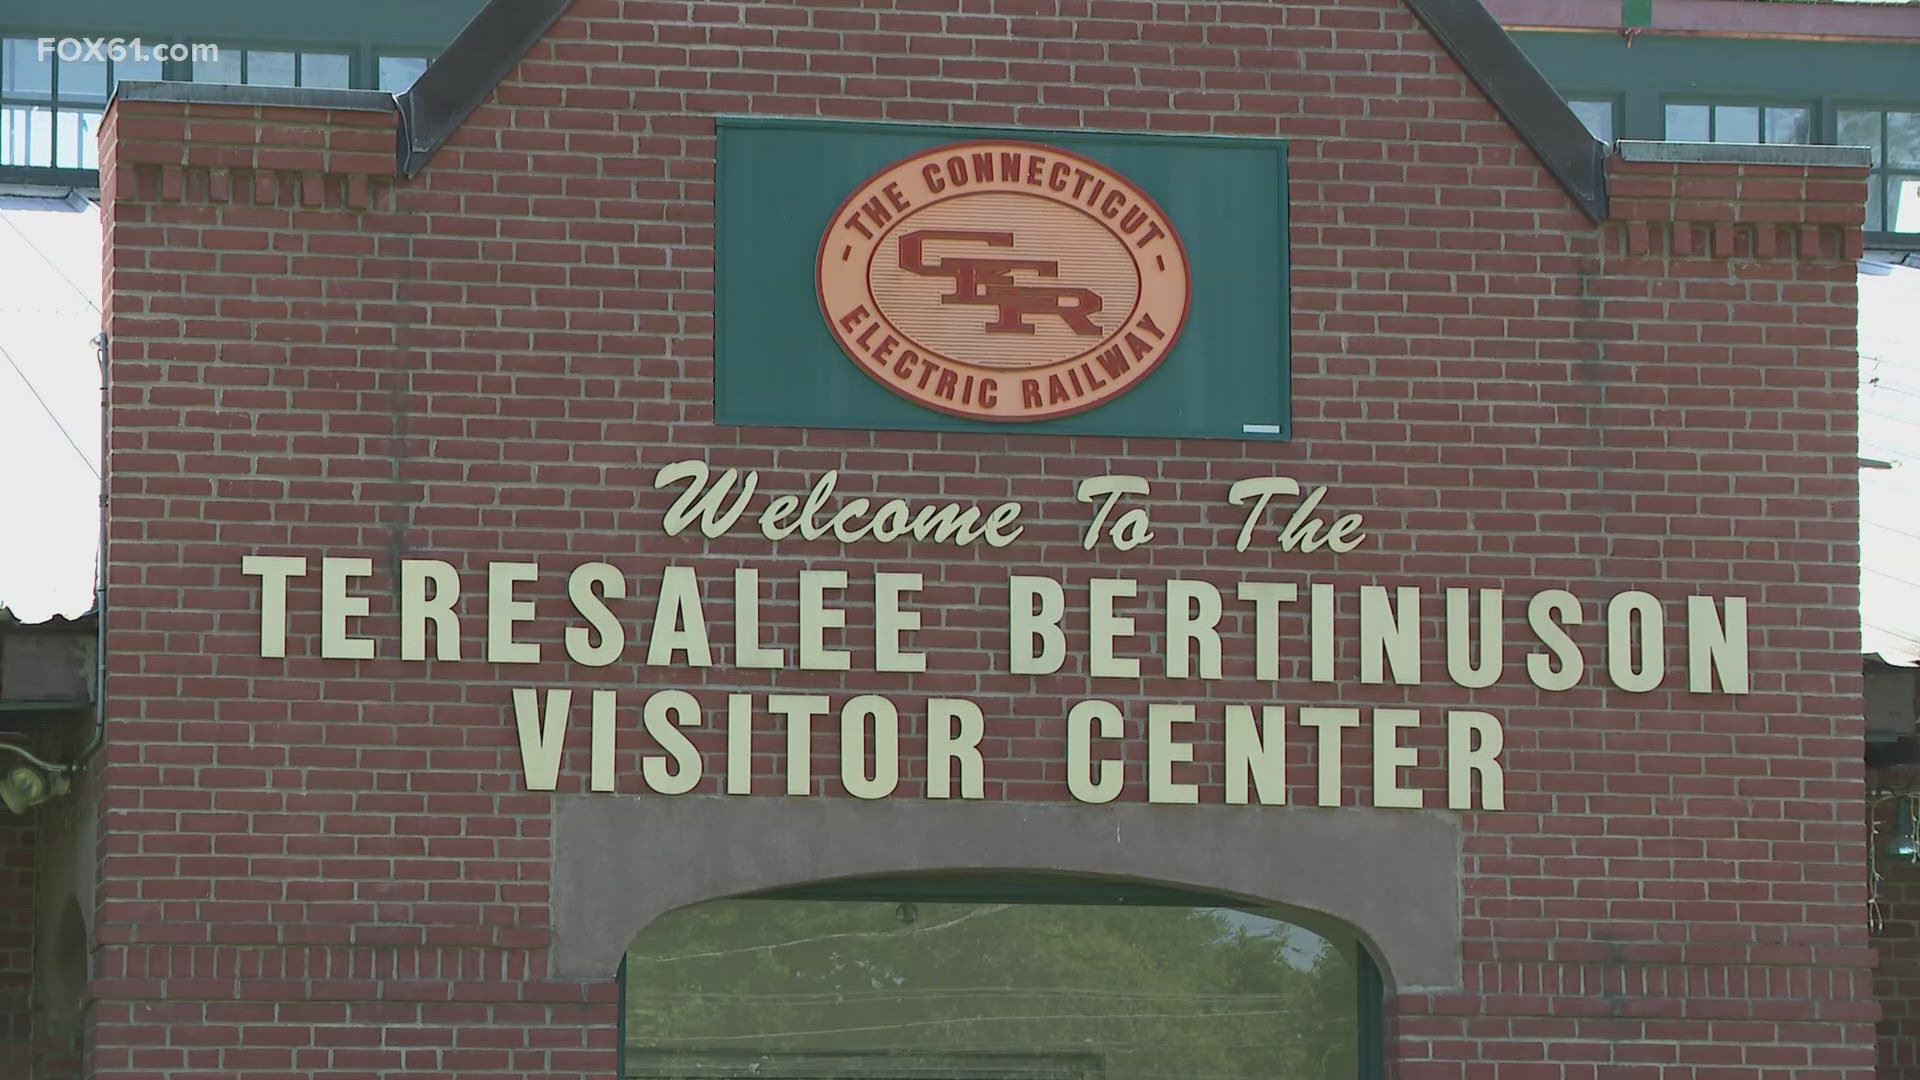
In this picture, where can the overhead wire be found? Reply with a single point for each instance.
(64, 433)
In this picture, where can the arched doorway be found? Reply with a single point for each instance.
(997, 978)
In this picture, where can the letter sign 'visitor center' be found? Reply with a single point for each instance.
(1110, 541)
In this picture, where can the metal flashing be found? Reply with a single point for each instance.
(484, 52)
(1523, 95)
(1855, 157)
(299, 97)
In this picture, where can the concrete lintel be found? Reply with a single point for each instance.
(619, 863)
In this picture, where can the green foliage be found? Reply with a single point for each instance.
(1051, 989)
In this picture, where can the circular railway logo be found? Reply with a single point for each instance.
(1003, 281)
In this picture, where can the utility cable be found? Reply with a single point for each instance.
(64, 433)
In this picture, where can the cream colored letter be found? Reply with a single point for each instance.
(1104, 627)
(747, 650)
(1621, 611)
(504, 612)
(1391, 630)
(1259, 754)
(1329, 723)
(1461, 667)
(540, 743)
(336, 607)
(1164, 752)
(816, 618)
(273, 572)
(800, 709)
(853, 747)
(954, 730)
(679, 624)
(1266, 597)
(1714, 646)
(1389, 757)
(1193, 625)
(1474, 740)
(1546, 613)
(665, 713)
(417, 608)
(889, 622)
(600, 642)
(1034, 608)
(1082, 780)
(603, 730)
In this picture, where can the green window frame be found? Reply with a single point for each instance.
(394, 70)
(1892, 134)
(50, 108)
(1792, 123)
(267, 63)
(1600, 112)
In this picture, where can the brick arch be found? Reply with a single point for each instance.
(619, 864)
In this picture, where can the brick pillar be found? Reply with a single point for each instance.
(16, 934)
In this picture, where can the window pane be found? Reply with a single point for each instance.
(324, 69)
(857, 989)
(224, 68)
(1860, 128)
(269, 68)
(1906, 204)
(137, 71)
(26, 135)
(398, 72)
(1876, 186)
(77, 148)
(1736, 124)
(1597, 115)
(1903, 138)
(83, 80)
(1789, 125)
(1686, 123)
(22, 73)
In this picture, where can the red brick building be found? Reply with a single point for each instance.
(1557, 749)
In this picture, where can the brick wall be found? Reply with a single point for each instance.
(16, 933)
(1896, 980)
(333, 867)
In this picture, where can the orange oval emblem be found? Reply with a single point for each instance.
(1003, 281)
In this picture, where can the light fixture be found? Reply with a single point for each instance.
(26, 787)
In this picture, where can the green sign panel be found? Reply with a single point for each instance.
(996, 280)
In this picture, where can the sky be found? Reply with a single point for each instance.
(49, 405)
(1890, 433)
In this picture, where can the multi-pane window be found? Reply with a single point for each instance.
(397, 71)
(50, 107)
(274, 67)
(1597, 114)
(1893, 194)
(1740, 123)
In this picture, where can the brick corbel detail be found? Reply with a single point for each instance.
(160, 151)
(1711, 210)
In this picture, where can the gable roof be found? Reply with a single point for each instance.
(504, 31)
